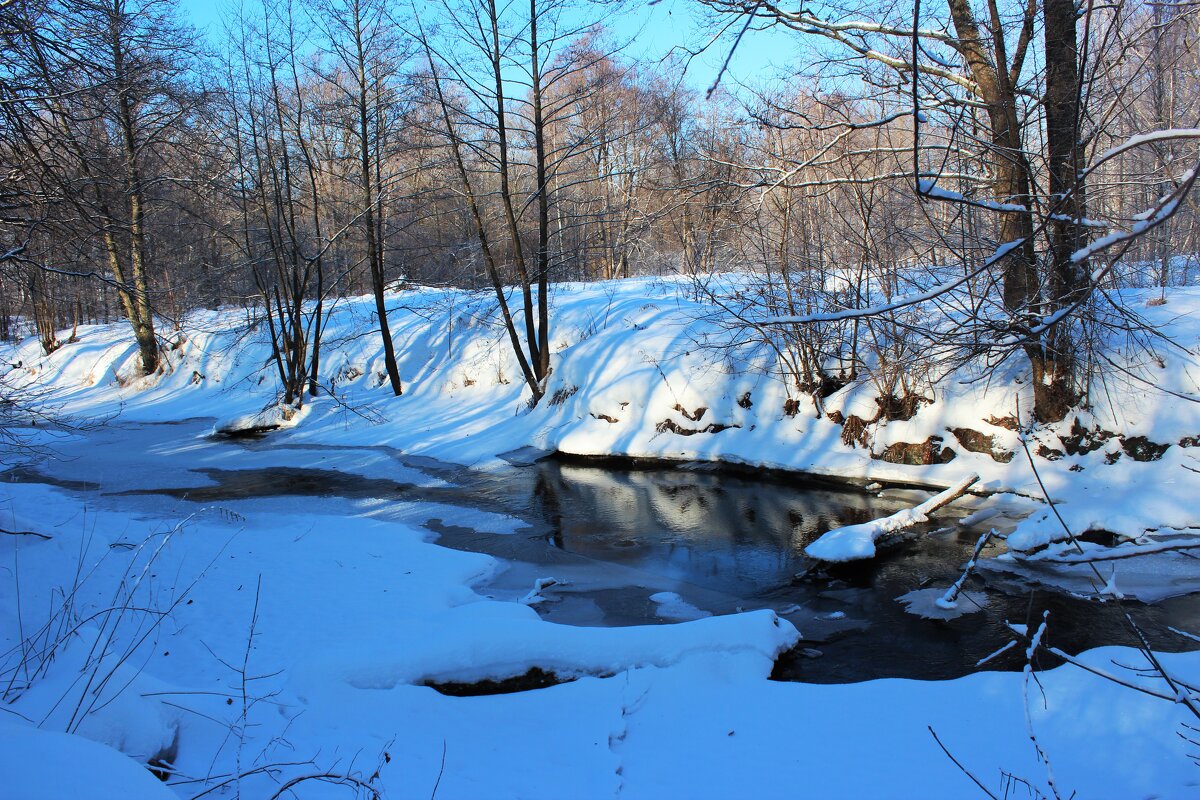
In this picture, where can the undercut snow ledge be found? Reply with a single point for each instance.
(275, 416)
(493, 641)
(857, 542)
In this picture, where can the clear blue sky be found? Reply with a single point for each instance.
(654, 30)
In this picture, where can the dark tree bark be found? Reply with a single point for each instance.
(1052, 354)
(369, 190)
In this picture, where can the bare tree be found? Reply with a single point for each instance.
(502, 148)
(370, 53)
(278, 194)
(971, 71)
(103, 88)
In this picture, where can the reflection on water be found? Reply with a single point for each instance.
(726, 533)
(745, 538)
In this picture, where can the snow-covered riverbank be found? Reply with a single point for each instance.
(300, 636)
(640, 369)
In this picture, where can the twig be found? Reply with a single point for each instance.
(331, 777)
(1028, 672)
(25, 533)
(950, 598)
(441, 771)
(237, 777)
(958, 764)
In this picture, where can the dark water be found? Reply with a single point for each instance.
(615, 536)
(745, 538)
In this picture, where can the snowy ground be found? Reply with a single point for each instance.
(299, 636)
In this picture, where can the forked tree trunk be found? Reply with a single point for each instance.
(1053, 354)
(1025, 299)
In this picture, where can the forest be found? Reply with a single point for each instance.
(591, 398)
(983, 163)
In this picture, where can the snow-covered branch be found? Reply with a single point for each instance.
(900, 302)
(856, 542)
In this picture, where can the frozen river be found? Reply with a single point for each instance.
(615, 545)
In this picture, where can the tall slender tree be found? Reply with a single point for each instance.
(105, 88)
(370, 53)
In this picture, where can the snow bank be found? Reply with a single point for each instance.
(47, 765)
(642, 369)
(639, 369)
(502, 640)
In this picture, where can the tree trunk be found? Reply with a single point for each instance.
(485, 247)
(1049, 359)
(142, 317)
(541, 358)
(374, 245)
(1053, 355)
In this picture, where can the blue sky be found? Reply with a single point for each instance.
(653, 30)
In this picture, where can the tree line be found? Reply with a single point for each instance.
(974, 156)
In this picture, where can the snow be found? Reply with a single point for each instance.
(48, 765)
(929, 603)
(1150, 578)
(395, 611)
(929, 188)
(631, 351)
(535, 595)
(274, 417)
(672, 606)
(502, 640)
(301, 632)
(1142, 139)
(855, 542)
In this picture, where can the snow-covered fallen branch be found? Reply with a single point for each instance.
(949, 600)
(856, 542)
(1087, 552)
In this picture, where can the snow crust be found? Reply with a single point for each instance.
(672, 606)
(928, 603)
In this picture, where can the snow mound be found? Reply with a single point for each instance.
(276, 416)
(48, 765)
(503, 640)
(104, 700)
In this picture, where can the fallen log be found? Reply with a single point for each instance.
(857, 542)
